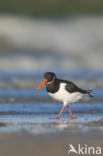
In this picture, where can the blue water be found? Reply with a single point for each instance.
(33, 111)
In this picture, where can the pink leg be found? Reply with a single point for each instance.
(71, 115)
(60, 112)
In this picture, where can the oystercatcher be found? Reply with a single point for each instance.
(64, 91)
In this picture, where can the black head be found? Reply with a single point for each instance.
(49, 76)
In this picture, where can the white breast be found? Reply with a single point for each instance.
(66, 97)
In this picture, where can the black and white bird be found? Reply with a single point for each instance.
(63, 91)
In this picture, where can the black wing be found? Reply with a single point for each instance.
(71, 87)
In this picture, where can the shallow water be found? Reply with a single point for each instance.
(26, 109)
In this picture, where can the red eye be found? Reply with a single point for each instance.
(49, 76)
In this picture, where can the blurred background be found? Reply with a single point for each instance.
(65, 37)
(50, 35)
(36, 36)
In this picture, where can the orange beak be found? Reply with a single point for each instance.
(43, 82)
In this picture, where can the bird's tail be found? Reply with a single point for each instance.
(89, 93)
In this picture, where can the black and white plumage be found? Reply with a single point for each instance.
(64, 91)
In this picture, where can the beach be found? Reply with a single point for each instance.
(57, 144)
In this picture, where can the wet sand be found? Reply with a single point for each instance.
(57, 144)
(24, 143)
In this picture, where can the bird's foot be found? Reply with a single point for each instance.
(72, 117)
(57, 117)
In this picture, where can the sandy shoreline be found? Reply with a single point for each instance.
(57, 144)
